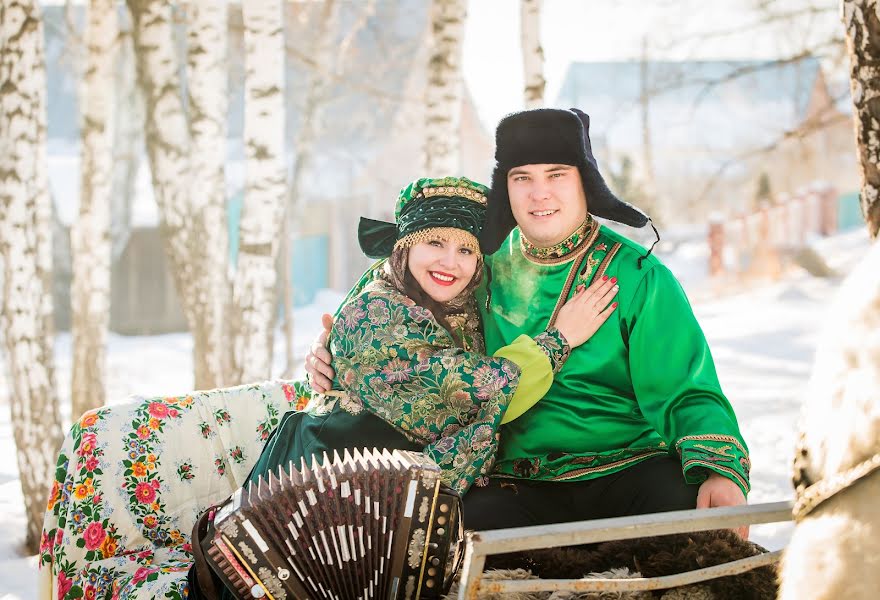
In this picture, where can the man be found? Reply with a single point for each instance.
(635, 422)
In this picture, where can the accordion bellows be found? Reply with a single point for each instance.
(371, 524)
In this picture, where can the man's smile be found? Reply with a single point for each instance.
(543, 213)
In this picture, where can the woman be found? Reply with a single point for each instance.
(410, 373)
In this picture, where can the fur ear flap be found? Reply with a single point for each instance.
(499, 216)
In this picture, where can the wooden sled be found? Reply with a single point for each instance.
(481, 544)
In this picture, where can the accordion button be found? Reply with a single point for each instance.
(429, 583)
(432, 571)
(441, 520)
(257, 592)
(444, 508)
(440, 531)
(435, 561)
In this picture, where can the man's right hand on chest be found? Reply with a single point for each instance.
(318, 360)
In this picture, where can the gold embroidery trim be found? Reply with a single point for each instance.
(591, 232)
(713, 466)
(453, 191)
(572, 273)
(714, 437)
(607, 261)
(618, 463)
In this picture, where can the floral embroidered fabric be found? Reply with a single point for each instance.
(582, 236)
(132, 478)
(555, 346)
(395, 360)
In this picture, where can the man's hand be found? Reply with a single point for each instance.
(318, 360)
(718, 490)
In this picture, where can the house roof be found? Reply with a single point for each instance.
(693, 106)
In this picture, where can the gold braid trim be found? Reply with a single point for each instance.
(714, 437)
(607, 261)
(695, 462)
(585, 236)
(445, 234)
(454, 192)
(612, 465)
(572, 273)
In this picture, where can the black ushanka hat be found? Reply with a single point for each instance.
(548, 136)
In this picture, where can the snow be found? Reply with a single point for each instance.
(763, 339)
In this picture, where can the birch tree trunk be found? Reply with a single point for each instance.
(90, 234)
(310, 117)
(166, 136)
(26, 250)
(862, 22)
(443, 95)
(254, 289)
(128, 140)
(186, 161)
(208, 103)
(533, 53)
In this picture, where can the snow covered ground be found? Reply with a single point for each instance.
(763, 339)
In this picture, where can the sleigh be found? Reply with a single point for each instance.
(476, 582)
(132, 478)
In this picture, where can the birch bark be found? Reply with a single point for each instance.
(208, 103)
(861, 19)
(533, 52)
(26, 251)
(166, 136)
(90, 234)
(254, 289)
(443, 94)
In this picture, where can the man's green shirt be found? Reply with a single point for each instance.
(644, 385)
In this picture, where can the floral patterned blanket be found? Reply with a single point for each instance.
(132, 478)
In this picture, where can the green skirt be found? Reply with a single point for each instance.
(300, 436)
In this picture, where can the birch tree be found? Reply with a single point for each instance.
(207, 89)
(25, 251)
(254, 288)
(862, 23)
(90, 234)
(533, 53)
(187, 165)
(128, 141)
(443, 94)
(330, 62)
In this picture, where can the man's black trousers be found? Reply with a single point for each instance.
(653, 485)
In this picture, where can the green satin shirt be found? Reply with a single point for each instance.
(644, 385)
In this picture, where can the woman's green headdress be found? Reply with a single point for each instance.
(451, 208)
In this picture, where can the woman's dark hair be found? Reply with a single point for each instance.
(400, 277)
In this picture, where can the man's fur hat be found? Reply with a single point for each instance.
(548, 136)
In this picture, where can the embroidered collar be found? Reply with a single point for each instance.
(565, 250)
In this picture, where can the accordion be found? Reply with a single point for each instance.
(371, 524)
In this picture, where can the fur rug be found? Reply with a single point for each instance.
(646, 557)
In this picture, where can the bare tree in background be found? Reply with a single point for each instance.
(862, 23)
(25, 249)
(128, 142)
(191, 209)
(207, 88)
(330, 61)
(90, 233)
(444, 90)
(533, 52)
(254, 289)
